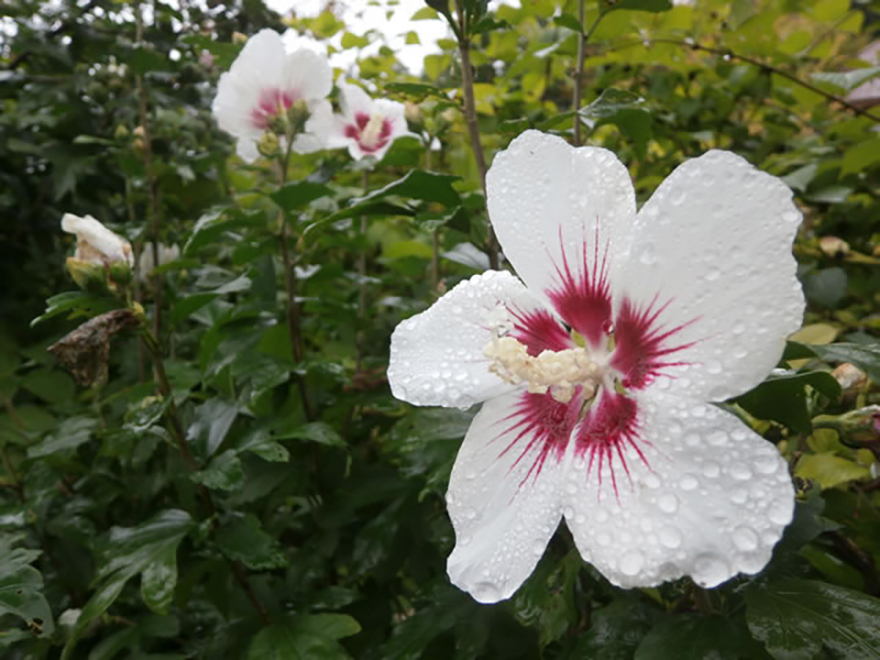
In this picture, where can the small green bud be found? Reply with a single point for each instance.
(120, 272)
(268, 145)
(121, 132)
(88, 276)
(297, 115)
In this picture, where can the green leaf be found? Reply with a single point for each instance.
(609, 103)
(783, 398)
(78, 303)
(145, 414)
(692, 636)
(319, 432)
(72, 433)
(224, 472)
(213, 419)
(569, 21)
(126, 552)
(796, 618)
(846, 81)
(418, 90)
(215, 223)
(826, 286)
(159, 580)
(829, 470)
(296, 195)
(865, 356)
(243, 539)
(21, 586)
(644, 5)
(307, 637)
(418, 184)
(861, 156)
(616, 630)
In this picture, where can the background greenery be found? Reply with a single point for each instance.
(331, 527)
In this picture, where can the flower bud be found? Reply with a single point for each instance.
(857, 428)
(121, 132)
(298, 114)
(850, 378)
(88, 276)
(238, 38)
(268, 145)
(412, 113)
(137, 142)
(834, 246)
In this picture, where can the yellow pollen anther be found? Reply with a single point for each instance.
(559, 372)
(372, 131)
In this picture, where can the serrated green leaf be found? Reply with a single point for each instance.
(783, 398)
(296, 195)
(224, 472)
(420, 185)
(307, 637)
(243, 539)
(796, 618)
(847, 81)
(21, 587)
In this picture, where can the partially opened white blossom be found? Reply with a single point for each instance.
(95, 244)
(366, 126)
(599, 367)
(146, 265)
(264, 81)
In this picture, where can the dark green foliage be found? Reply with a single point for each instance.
(298, 510)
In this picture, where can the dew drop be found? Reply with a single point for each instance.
(766, 463)
(668, 503)
(740, 471)
(670, 537)
(713, 274)
(688, 482)
(745, 538)
(711, 469)
(632, 563)
(710, 570)
(648, 256)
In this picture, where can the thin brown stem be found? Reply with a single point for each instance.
(174, 421)
(362, 287)
(723, 52)
(470, 114)
(152, 182)
(294, 321)
(579, 75)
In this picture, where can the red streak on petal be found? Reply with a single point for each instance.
(352, 131)
(362, 119)
(583, 298)
(643, 345)
(270, 101)
(539, 331)
(386, 129)
(372, 148)
(542, 427)
(606, 431)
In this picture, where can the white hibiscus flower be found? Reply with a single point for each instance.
(366, 126)
(265, 81)
(95, 244)
(598, 369)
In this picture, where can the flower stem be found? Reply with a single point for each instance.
(153, 183)
(470, 113)
(362, 287)
(174, 421)
(294, 321)
(583, 37)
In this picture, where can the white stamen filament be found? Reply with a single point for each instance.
(372, 131)
(559, 372)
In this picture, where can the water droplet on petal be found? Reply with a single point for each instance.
(632, 563)
(668, 503)
(745, 538)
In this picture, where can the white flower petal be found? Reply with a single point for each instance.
(544, 194)
(246, 148)
(713, 245)
(308, 75)
(353, 100)
(709, 499)
(259, 66)
(95, 243)
(504, 496)
(437, 356)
